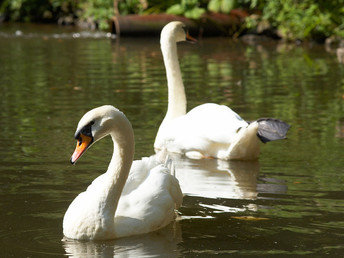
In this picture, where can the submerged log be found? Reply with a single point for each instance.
(213, 24)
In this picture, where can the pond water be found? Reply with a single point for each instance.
(288, 202)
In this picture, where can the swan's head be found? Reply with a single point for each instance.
(93, 126)
(175, 31)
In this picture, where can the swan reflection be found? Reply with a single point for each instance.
(214, 178)
(162, 243)
(220, 186)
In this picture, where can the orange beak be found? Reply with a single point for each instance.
(190, 39)
(81, 146)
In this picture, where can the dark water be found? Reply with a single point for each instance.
(289, 202)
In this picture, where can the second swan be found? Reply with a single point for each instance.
(208, 130)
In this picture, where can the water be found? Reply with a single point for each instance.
(288, 202)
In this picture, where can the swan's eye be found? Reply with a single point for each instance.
(92, 123)
(78, 138)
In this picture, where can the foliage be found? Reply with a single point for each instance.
(130, 6)
(98, 10)
(194, 9)
(302, 19)
(224, 6)
(293, 19)
(189, 8)
(35, 10)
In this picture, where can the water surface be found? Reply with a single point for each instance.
(288, 202)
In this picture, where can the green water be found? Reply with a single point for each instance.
(289, 202)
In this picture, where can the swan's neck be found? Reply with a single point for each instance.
(119, 167)
(176, 92)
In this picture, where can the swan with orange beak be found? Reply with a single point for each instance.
(131, 197)
(84, 140)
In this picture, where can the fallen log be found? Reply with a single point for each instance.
(212, 24)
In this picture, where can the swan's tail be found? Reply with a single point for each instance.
(245, 145)
(270, 129)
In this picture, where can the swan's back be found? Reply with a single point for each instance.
(217, 123)
(207, 128)
(139, 171)
(149, 199)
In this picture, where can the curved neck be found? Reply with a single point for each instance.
(176, 92)
(117, 173)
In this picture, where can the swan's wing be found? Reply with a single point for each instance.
(216, 122)
(206, 127)
(150, 205)
(139, 172)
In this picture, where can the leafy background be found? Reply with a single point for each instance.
(291, 19)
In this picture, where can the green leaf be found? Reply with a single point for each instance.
(214, 6)
(227, 5)
(176, 9)
(194, 13)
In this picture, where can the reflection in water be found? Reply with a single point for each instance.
(162, 243)
(210, 179)
(214, 178)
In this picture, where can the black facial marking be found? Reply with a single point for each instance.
(86, 130)
(185, 29)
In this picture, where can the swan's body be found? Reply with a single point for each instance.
(208, 130)
(131, 197)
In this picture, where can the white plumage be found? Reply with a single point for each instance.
(131, 197)
(208, 130)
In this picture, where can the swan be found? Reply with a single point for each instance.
(132, 197)
(209, 130)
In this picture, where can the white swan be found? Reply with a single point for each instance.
(208, 130)
(115, 204)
